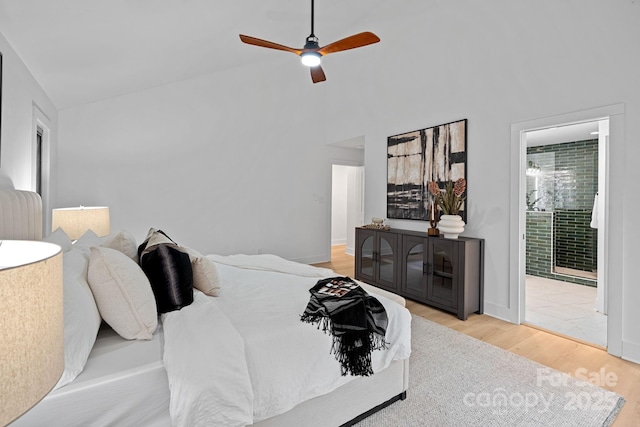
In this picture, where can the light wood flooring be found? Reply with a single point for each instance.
(557, 352)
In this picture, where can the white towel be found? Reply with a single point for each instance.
(594, 212)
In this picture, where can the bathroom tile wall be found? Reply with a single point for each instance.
(539, 249)
(576, 174)
(539, 244)
(569, 181)
(575, 241)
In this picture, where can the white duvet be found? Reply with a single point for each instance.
(245, 356)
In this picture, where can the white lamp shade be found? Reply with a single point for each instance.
(31, 324)
(76, 221)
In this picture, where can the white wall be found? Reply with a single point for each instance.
(496, 63)
(23, 101)
(234, 162)
(237, 161)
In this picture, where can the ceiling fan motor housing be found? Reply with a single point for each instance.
(312, 43)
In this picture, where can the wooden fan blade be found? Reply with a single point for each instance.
(264, 43)
(351, 42)
(317, 75)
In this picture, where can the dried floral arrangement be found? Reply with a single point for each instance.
(450, 199)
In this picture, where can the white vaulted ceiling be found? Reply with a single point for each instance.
(86, 50)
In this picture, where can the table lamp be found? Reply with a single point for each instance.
(76, 221)
(31, 324)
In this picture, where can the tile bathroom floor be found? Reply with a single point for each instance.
(566, 308)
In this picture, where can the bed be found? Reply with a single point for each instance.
(139, 381)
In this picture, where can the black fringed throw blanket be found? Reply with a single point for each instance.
(356, 320)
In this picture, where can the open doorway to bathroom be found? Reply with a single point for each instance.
(564, 286)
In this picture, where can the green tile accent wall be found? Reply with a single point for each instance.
(574, 170)
(575, 241)
(539, 244)
(566, 185)
(539, 249)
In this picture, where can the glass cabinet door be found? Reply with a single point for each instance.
(387, 259)
(442, 286)
(366, 256)
(377, 260)
(414, 272)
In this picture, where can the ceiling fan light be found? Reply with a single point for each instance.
(311, 59)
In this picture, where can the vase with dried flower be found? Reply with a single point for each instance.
(450, 201)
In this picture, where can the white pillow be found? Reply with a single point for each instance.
(81, 316)
(123, 294)
(205, 272)
(87, 240)
(124, 242)
(205, 276)
(60, 238)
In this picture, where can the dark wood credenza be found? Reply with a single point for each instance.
(444, 273)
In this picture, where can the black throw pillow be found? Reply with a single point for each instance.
(170, 274)
(151, 234)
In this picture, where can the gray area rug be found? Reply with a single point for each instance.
(457, 380)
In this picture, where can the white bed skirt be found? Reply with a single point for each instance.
(347, 402)
(125, 383)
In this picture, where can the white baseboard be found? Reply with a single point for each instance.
(315, 259)
(350, 251)
(498, 311)
(631, 351)
(339, 241)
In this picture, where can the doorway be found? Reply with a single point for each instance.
(347, 205)
(563, 290)
(41, 163)
(609, 246)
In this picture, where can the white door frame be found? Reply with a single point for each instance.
(42, 121)
(613, 226)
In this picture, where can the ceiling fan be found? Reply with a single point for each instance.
(312, 53)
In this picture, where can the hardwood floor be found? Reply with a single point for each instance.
(572, 357)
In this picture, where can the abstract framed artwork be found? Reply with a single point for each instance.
(437, 153)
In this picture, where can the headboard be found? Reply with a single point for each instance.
(20, 213)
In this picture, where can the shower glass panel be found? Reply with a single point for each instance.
(541, 177)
